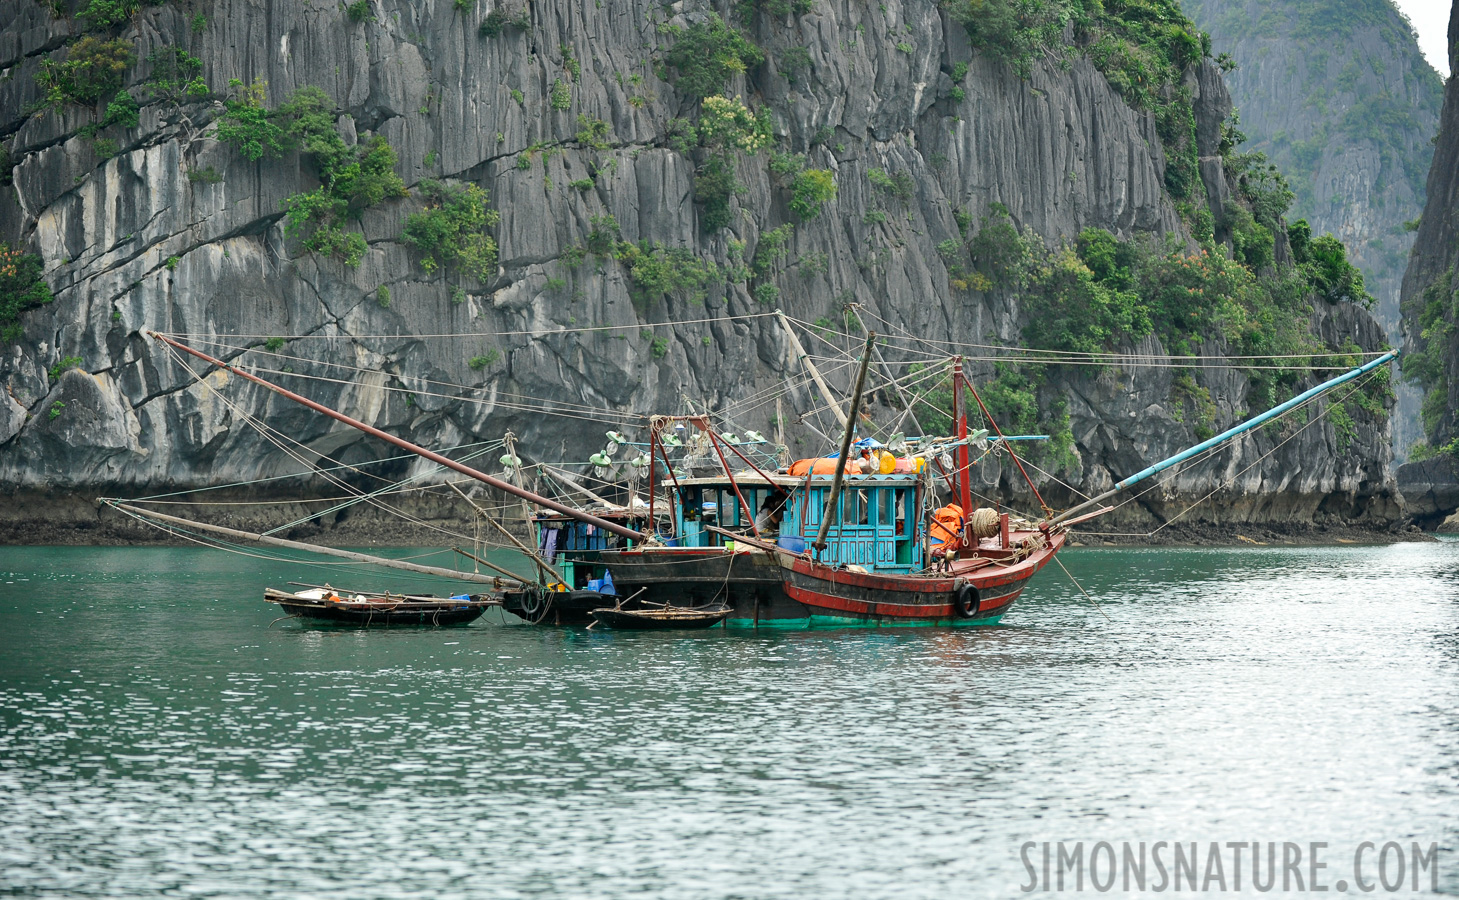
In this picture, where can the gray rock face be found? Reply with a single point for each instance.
(1430, 488)
(133, 244)
(1435, 253)
(1346, 107)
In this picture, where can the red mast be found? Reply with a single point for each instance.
(960, 456)
(403, 444)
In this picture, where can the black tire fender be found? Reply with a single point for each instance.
(966, 600)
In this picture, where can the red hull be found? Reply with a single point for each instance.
(916, 599)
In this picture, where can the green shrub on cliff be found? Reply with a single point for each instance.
(1324, 262)
(714, 185)
(92, 71)
(657, 271)
(109, 13)
(176, 75)
(1437, 311)
(810, 189)
(22, 287)
(452, 229)
(1015, 31)
(726, 127)
(502, 18)
(351, 178)
(708, 54)
(122, 110)
(248, 124)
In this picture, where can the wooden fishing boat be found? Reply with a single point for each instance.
(879, 567)
(979, 591)
(372, 610)
(537, 605)
(664, 618)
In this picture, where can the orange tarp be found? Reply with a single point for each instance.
(823, 466)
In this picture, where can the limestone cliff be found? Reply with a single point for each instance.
(565, 113)
(1337, 93)
(1431, 314)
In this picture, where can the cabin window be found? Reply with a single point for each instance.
(884, 514)
(900, 505)
(818, 500)
(858, 508)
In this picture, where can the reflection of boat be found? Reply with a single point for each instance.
(373, 609)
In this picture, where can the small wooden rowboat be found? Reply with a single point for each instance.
(376, 610)
(660, 619)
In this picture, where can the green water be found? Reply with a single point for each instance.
(161, 739)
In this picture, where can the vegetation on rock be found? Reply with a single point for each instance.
(811, 188)
(22, 287)
(109, 13)
(452, 229)
(92, 71)
(1437, 313)
(176, 74)
(1141, 46)
(502, 18)
(351, 178)
(708, 54)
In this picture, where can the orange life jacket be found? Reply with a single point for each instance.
(947, 526)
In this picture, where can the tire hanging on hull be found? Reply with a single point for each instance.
(966, 602)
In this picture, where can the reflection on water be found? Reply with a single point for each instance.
(159, 737)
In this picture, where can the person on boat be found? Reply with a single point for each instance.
(945, 532)
(772, 511)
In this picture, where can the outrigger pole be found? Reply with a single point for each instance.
(820, 543)
(403, 444)
(312, 548)
(1225, 436)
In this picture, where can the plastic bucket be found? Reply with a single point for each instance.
(792, 543)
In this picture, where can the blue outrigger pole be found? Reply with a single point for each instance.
(1227, 435)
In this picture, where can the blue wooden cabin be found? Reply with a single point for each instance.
(877, 523)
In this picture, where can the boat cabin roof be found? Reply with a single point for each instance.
(753, 480)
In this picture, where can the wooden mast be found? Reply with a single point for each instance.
(820, 543)
(814, 372)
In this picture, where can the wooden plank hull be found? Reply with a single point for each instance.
(555, 607)
(836, 597)
(373, 616)
(659, 619)
(752, 585)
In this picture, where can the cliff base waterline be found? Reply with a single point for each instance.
(36, 518)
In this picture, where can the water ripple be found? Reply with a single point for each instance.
(161, 739)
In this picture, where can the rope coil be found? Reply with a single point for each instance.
(984, 522)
